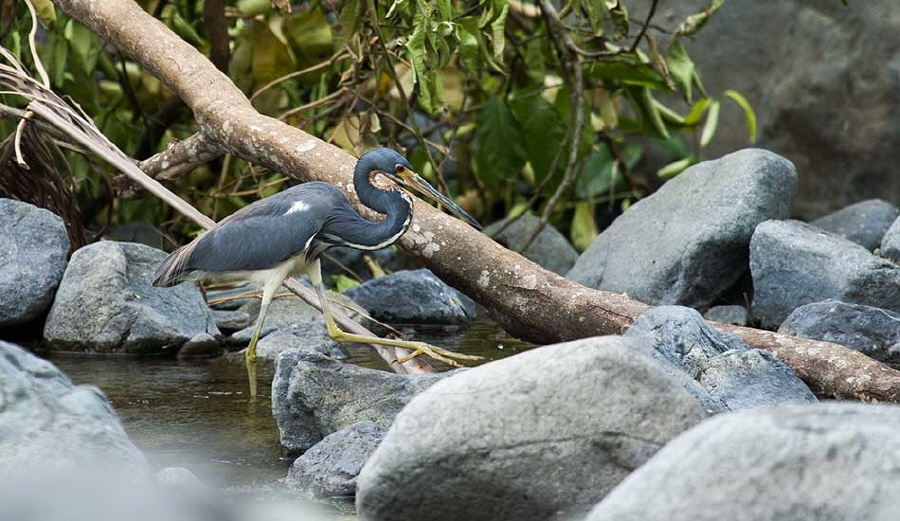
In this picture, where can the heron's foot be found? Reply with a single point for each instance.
(442, 355)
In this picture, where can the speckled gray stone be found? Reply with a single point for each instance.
(687, 243)
(33, 249)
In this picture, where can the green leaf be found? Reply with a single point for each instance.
(596, 174)
(184, 30)
(44, 9)
(628, 71)
(693, 23)
(697, 112)
(542, 129)
(709, 128)
(749, 114)
(681, 68)
(500, 154)
(668, 114)
(649, 110)
(584, 226)
(618, 13)
(674, 168)
(343, 283)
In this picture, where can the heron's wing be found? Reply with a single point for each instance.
(257, 237)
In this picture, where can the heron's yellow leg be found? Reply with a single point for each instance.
(250, 355)
(418, 348)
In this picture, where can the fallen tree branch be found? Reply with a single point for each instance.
(528, 301)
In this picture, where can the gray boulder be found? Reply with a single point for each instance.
(549, 249)
(44, 419)
(728, 374)
(330, 468)
(793, 264)
(543, 434)
(829, 461)
(105, 304)
(313, 396)
(864, 223)
(64, 454)
(33, 249)
(874, 332)
(735, 315)
(413, 297)
(890, 244)
(687, 243)
(822, 79)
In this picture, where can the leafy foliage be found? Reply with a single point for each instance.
(485, 96)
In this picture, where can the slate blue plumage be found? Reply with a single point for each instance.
(284, 234)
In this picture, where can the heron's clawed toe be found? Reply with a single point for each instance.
(436, 353)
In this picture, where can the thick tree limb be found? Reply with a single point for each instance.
(530, 302)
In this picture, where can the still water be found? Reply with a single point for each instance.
(197, 414)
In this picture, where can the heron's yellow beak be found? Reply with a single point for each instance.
(413, 180)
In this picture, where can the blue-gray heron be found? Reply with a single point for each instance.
(284, 234)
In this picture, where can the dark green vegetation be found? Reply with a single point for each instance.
(511, 107)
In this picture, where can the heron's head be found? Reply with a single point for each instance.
(397, 168)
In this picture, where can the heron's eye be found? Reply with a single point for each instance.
(398, 168)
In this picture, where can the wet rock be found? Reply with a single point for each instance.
(809, 462)
(864, 223)
(203, 345)
(105, 304)
(890, 244)
(33, 249)
(687, 243)
(874, 332)
(413, 297)
(540, 435)
(549, 249)
(795, 264)
(46, 420)
(735, 315)
(330, 468)
(313, 396)
(305, 336)
(730, 375)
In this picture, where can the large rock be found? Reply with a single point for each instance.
(829, 461)
(64, 454)
(794, 264)
(864, 223)
(413, 297)
(687, 243)
(540, 435)
(44, 419)
(731, 314)
(313, 396)
(873, 331)
(330, 468)
(549, 249)
(822, 78)
(890, 243)
(33, 249)
(105, 304)
(728, 374)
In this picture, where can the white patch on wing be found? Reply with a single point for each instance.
(299, 206)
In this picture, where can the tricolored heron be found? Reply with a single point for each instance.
(284, 234)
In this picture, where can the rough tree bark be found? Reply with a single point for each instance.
(528, 301)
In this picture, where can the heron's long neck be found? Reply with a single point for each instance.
(378, 234)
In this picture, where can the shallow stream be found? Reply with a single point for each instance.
(196, 413)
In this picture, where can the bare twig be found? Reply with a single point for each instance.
(646, 24)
